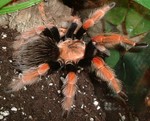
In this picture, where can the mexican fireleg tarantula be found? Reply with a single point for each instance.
(52, 48)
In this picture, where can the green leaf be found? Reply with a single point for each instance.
(131, 70)
(109, 28)
(20, 6)
(116, 16)
(136, 24)
(113, 59)
(137, 63)
(145, 3)
(4, 2)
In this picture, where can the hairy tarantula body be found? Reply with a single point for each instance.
(51, 48)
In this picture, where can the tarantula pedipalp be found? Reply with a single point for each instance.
(35, 54)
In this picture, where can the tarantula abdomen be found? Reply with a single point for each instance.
(40, 49)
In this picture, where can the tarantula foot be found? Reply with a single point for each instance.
(112, 4)
(138, 47)
(8, 90)
(65, 114)
(97, 15)
(123, 96)
(14, 86)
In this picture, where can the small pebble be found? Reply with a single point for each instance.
(84, 93)
(82, 106)
(58, 91)
(95, 103)
(4, 35)
(50, 84)
(13, 109)
(91, 119)
(25, 88)
(10, 61)
(32, 97)
(4, 48)
(122, 117)
(98, 107)
(5, 113)
(42, 87)
(1, 117)
(23, 113)
(30, 117)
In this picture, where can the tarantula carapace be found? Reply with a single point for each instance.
(51, 48)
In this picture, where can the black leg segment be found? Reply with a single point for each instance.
(53, 33)
(71, 30)
(80, 33)
(70, 67)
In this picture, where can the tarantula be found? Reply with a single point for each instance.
(51, 48)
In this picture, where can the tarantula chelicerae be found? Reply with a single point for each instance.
(53, 48)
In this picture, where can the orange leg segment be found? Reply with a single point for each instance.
(112, 40)
(69, 91)
(106, 74)
(97, 15)
(29, 77)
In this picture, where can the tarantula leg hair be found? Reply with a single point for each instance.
(40, 49)
(97, 15)
(25, 37)
(32, 32)
(29, 77)
(69, 89)
(112, 40)
(93, 19)
(106, 74)
(109, 41)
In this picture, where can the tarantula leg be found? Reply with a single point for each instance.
(107, 74)
(53, 33)
(103, 49)
(69, 88)
(25, 37)
(33, 32)
(97, 15)
(138, 47)
(71, 30)
(112, 40)
(29, 77)
(28, 36)
(93, 19)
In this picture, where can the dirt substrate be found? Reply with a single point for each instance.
(42, 101)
